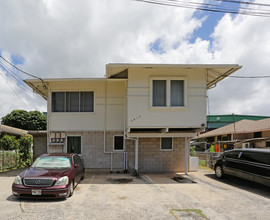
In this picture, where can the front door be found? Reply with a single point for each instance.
(74, 144)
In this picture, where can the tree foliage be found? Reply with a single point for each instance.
(32, 120)
(8, 142)
(25, 143)
(22, 145)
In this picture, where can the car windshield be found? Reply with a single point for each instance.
(52, 162)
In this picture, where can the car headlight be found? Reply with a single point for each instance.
(17, 180)
(62, 181)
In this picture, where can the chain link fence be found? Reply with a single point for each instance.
(8, 160)
(205, 158)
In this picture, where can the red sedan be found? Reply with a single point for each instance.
(50, 176)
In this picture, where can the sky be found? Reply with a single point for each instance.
(67, 38)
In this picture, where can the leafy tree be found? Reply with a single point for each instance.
(25, 143)
(8, 142)
(32, 120)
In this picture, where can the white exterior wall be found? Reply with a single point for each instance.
(141, 114)
(90, 121)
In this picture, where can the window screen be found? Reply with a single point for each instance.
(118, 143)
(72, 101)
(177, 93)
(166, 143)
(74, 145)
(58, 101)
(159, 93)
(87, 102)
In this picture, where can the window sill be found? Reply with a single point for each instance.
(73, 113)
(168, 108)
(168, 150)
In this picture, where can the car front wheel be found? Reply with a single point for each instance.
(219, 171)
(71, 190)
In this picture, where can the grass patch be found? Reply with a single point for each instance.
(21, 207)
(197, 212)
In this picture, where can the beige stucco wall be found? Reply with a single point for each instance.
(140, 113)
(90, 121)
(134, 106)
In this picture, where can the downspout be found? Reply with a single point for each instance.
(186, 155)
(105, 124)
(125, 135)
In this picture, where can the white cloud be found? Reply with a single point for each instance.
(244, 40)
(65, 38)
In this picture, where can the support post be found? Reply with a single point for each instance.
(136, 155)
(186, 154)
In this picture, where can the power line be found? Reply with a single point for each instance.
(15, 91)
(28, 74)
(15, 76)
(213, 7)
(249, 77)
(245, 2)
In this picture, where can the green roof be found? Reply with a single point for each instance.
(217, 121)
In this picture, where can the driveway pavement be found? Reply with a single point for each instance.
(149, 196)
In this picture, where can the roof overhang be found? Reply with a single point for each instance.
(215, 72)
(41, 86)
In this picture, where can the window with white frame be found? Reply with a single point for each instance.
(72, 101)
(168, 92)
(118, 143)
(166, 143)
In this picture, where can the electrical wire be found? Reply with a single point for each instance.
(249, 77)
(28, 74)
(15, 76)
(259, 12)
(245, 2)
(15, 91)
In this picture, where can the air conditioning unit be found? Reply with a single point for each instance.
(245, 145)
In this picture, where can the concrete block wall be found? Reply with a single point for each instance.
(151, 157)
(39, 145)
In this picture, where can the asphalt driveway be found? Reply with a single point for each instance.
(149, 196)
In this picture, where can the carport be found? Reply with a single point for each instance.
(137, 136)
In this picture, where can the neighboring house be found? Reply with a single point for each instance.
(217, 121)
(242, 134)
(4, 129)
(139, 117)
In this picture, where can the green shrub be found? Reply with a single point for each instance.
(192, 151)
(8, 142)
(25, 158)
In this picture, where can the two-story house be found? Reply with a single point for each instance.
(139, 117)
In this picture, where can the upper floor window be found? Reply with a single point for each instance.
(72, 101)
(168, 92)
